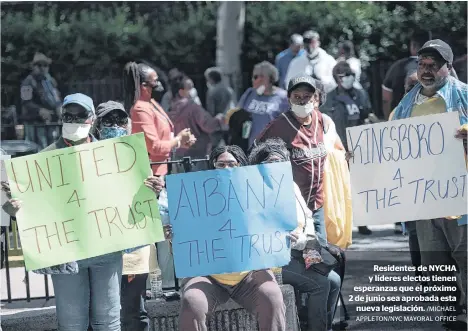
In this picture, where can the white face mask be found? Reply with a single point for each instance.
(302, 111)
(75, 131)
(261, 89)
(347, 82)
(193, 93)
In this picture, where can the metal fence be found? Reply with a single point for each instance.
(13, 257)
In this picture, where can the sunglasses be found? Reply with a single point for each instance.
(78, 118)
(114, 120)
(42, 65)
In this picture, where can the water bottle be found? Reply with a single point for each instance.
(156, 284)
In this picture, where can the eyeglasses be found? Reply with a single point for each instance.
(226, 164)
(114, 120)
(78, 118)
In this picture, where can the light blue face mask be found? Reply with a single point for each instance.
(112, 132)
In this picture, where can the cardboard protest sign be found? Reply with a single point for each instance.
(4, 217)
(231, 220)
(84, 201)
(405, 170)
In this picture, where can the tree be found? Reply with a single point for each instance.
(230, 31)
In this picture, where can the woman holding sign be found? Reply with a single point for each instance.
(87, 292)
(257, 291)
(321, 284)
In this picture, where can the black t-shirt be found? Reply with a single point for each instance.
(395, 78)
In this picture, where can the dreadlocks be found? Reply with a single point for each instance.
(236, 151)
(134, 75)
(272, 146)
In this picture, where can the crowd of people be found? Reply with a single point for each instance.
(302, 121)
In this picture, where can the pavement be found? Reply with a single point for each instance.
(383, 247)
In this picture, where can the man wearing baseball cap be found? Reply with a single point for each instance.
(301, 128)
(78, 116)
(442, 241)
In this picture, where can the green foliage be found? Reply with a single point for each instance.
(379, 30)
(93, 41)
(96, 42)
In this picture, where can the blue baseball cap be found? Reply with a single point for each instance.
(80, 99)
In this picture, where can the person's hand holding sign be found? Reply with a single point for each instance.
(462, 133)
(167, 231)
(12, 206)
(155, 184)
(349, 155)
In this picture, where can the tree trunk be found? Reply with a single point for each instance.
(230, 33)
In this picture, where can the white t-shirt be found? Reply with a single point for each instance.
(322, 68)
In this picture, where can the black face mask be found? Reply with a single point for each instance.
(157, 91)
(158, 87)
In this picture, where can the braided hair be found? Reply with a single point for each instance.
(235, 150)
(134, 75)
(272, 146)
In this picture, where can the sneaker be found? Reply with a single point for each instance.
(364, 230)
(398, 228)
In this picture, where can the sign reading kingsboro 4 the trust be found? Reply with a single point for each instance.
(231, 220)
(84, 201)
(405, 170)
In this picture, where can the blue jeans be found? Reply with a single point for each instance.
(319, 226)
(91, 297)
(323, 292)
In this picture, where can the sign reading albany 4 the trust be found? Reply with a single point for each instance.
(406, 170)
(84, 201)
(231, 220)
